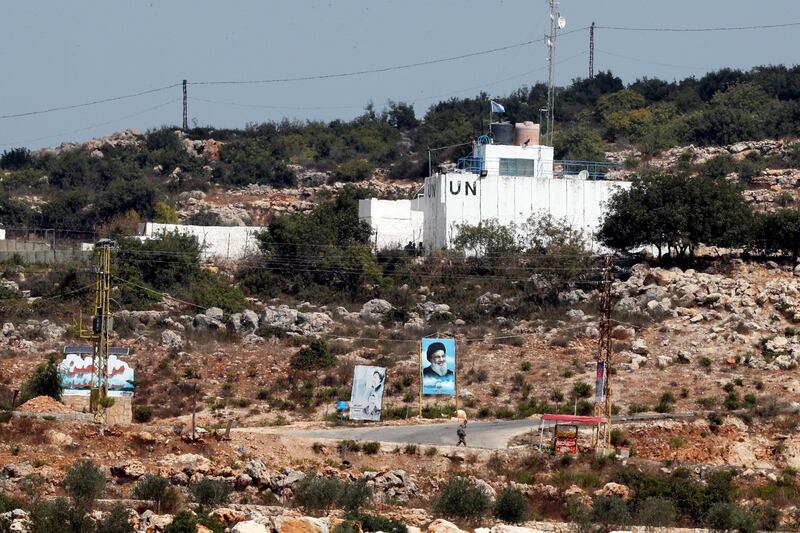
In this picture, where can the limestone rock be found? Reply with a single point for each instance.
(375, 310)
(171, 340)
(129, 469)
(303, 524)
(249, 526)
(614, 489)
(257, 471)
(443, 526)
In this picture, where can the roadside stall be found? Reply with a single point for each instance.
(565, 432)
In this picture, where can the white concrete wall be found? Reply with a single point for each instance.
(514, 199)
(463, 198)
(394, 223)
(223, 242)
(492, 153)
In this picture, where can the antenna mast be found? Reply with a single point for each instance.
(591, 51)
(557, 22)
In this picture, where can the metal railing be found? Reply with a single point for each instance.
(474, 164)
(595, 170)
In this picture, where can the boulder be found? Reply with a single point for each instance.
(249, 320)
(303, 524)
(18, 470)
(284, 318)
(228, 516)
(489, 301)
(204, 322)
(639, 346)
(614, 489)
(249, 527)
(215, 313)
(131, 468)
(375, 310)
(443, 526)
(257, 471)
(171, 340)
(428, 309)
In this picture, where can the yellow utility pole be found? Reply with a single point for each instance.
(102, 324)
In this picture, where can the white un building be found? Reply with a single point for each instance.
(508, 179)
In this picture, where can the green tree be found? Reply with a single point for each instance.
(165, 213)
(609, 511)
(675, 213)
(45, 381)
(17, 158)
(511, 506)
(461, 499)
(742, 112)
(579, 143)
(211, 492)
(315, 356)
(84, 483)
(158, 489)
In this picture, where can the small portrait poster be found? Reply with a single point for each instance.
(438, 367)
(367, 394)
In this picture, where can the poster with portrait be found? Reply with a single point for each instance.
(438, 367)
(366, 397)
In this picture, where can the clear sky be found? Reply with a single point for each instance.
(55, 53)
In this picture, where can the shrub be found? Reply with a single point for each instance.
(313, 357)
(116, 521)
(348, 446)
(525, 366)
(55, 516)
(211, 492)
(354, 495)
(45, 381)
(210, 290)
(656, 512)
(84, 483)
(355, 169)
(609, 510)
(143, 413)
(158, 489)
(410, 449)
(187, 522)
(461, 499)
(511, 506)
(581, 389)
(370, 523)
(731, 517)
(15, 158)
(322, 493)
(317, 492)
(635, 408)
(371, 448)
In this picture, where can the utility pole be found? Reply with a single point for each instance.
(603, 405)
(185, 109)
(102, 325)
(591, 51)
(557, 22)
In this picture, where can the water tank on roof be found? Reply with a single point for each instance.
(526, 131)
(502, 132)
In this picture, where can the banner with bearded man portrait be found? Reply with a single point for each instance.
(438, 366)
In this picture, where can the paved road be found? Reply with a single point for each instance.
(491, 435)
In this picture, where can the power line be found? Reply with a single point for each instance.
(649, 62)
(722, 28)
(142, 112)
(93, 102)
(378, 70)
